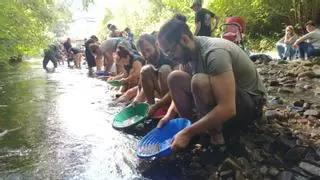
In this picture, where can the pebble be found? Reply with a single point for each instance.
(271, 114)
(274, 83)
(311, 112)
(299, 103)
(273, 171)
(306, 87)
(285, 90)
(289, 85)
(276, 101)
(264, 170)
(306, 106)
(310, 168)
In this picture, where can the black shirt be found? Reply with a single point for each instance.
(164, 60)
(132, 60)
(204, 16)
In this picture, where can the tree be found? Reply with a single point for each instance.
(25, 26)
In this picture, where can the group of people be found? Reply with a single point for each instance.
(210, 81)
(59, 52)
(291, 45)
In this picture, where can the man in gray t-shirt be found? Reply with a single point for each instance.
(309, 43)
(224, 85)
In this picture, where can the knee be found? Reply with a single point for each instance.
(177, 77)
(199, 83)
(165, 69)
(147, 70)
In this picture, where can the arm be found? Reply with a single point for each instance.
(171, 113)
(217, 19)
(163, 101)
(134, 73)
(224, 90)
(301, 39)
(198, 26)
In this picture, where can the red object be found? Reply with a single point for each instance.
(160, 113)
(239, 21)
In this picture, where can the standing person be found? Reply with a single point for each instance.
(309, 43)
(285, 44)
(113, 31)
(224, 86)
(129, 35)
(204, 19)
(67, 47)
(89, 56)
(50, 55)
(154, 74)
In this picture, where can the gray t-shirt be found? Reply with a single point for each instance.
(217, 56)
(313, 38)
(109, 45)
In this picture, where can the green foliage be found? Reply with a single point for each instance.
(265, 19)
(25, 26)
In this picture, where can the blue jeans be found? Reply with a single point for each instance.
(307, 48)
(285, 51)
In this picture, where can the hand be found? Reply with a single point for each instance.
(152, 109)
(133, 103)
(110, 78)
(163, 121)
(180, 141)
(295, 45)
(122, 80)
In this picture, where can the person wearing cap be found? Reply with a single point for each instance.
(309, 43)
(154, 74)
(204, 19)
(224, 86)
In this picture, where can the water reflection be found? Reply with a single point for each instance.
(66, 130)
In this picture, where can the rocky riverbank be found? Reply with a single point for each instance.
(284, 144)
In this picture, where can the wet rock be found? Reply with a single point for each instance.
(306, 87)
(273, 171)
(276, 101)
(295, 155)
(272, 89)
(289, 85)
(263, 170)
(284, 79)
(310, 168)
(271, 114)
(311, 112)
(306, 106)
(299, 85)
(274, 83)
(272, 72)
(299, 103)
(285, 175)
(309, 74)
(285, 90)
(299, 90)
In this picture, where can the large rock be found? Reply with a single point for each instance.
(309, 74)
(285, 90)
(310, 168)
(311, 112)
